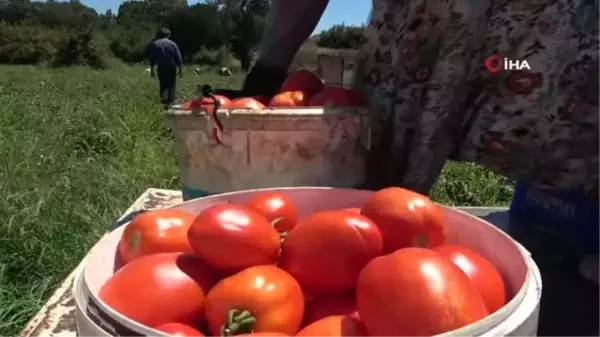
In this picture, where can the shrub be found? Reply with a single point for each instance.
(28, 44)
(84, 48)
(341, 37)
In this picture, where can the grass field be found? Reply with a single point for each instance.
(77, 147)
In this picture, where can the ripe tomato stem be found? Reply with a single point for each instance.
(238, 322)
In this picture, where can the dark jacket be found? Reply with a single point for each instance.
(164, 53)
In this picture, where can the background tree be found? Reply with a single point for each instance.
(196, 27)
(162, 9)
(13, 11)
(341, 37)
(243, 22)
(212, 32)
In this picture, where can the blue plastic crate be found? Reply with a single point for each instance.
(568, 212)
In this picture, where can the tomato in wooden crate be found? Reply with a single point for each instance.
(302, 80)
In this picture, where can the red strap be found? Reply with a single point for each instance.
(217, 127)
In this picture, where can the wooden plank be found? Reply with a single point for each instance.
(57, 316)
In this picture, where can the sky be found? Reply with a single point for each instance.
(350, 12)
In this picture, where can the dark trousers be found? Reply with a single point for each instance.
(167, 79)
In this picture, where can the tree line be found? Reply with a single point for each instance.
(214, 32)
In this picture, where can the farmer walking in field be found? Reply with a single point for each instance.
(432, 98)
(166, 58)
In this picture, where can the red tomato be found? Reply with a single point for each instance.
(179, 330)
(264, 334)
(335, 326)
(277, 208)
(338, 304)
(189, 105)
(160, 288)
(416, 292)
(327, 251)
(289, 99)
(330, 96)
(266, 293)
(193, 104)
(234, 237)
(262, 99)
(224, 101)
(158, 231)
(405, 218)
(481, 272)
(246, 103)
(302, 80)
(356, 97)
(355, 210)
(204, 102)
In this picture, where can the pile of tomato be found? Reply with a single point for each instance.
(260, 268)
(301, 88)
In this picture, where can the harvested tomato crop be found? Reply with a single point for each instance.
(333, 305)
(416, 292)
(258, 299)
(207, 102)
(265, 334)
(279, 262)
(246, 103)
(405, 218)
(160, 288)
(158, 231)
(482, 273)
(277, 208)
(192, 104)
(233, 237)
(330, 96)
(264, 100)
(327, 251)
(356, 210)
(335, 326)
(224, 101)
(302, 80)
(179, 330)
(289, 99)
(356, 97)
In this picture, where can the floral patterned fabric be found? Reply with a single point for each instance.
(423, 68)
